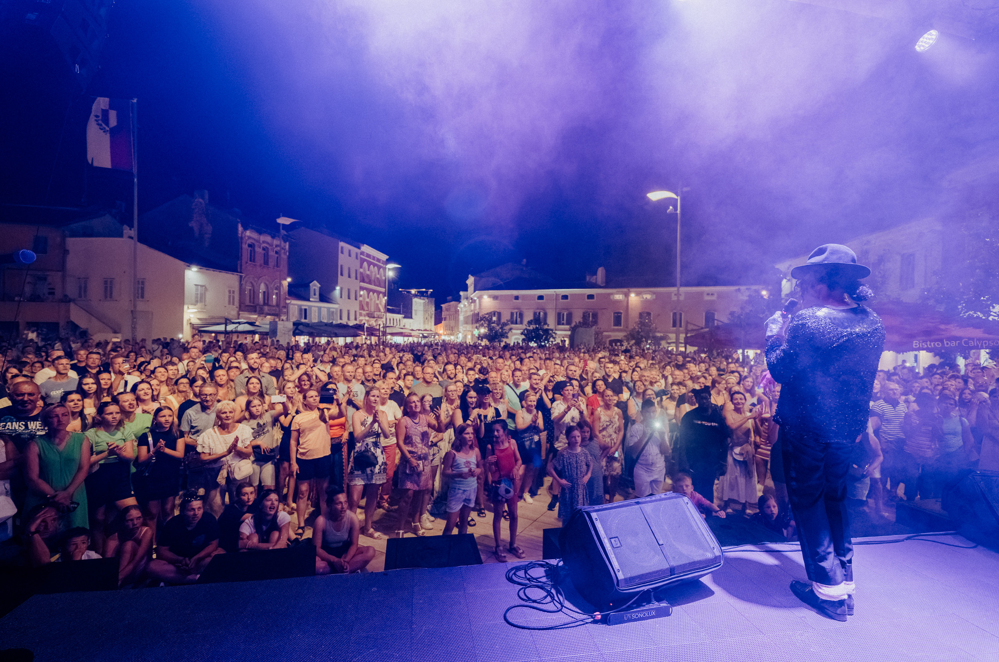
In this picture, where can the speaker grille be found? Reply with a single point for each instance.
(679, 529)
(629, 542)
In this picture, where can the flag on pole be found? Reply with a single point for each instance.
(109, 135)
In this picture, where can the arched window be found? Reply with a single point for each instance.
(266, 255)
(265, 296)
(275, 290)
(251, 253)
(250, 294)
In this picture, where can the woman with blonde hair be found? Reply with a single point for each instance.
(220, 449)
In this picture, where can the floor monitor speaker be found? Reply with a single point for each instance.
(616, 551)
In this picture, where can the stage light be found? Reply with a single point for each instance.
(926, 41)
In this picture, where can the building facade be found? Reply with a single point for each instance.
(35, 296)
(99, 269)
(612, 311)
(349, 281)
(308, 303)
(372, 285)
(451, 319)
(211, 296)
(351, 276)
(189, 229)
(263, 264)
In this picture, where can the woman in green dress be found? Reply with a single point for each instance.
(57, 465)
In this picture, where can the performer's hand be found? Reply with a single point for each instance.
(777, 324)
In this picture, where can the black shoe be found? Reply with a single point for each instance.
(849, 605)
(553, 503)
(835, 610)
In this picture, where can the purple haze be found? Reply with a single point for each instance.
(486, 131)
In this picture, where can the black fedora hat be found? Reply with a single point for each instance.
(832, 256)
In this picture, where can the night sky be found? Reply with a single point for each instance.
(459, 135)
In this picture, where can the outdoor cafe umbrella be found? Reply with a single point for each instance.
(234, 326)
(324, 330)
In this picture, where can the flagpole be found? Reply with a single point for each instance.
(135, 224)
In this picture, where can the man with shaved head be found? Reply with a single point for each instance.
(20, 422)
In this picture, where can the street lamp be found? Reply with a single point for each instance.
(655, 196)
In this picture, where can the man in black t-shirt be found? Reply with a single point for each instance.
(187, 543)
(702, 445)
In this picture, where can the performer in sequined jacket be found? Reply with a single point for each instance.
(825, 356)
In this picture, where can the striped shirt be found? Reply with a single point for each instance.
(891, 420)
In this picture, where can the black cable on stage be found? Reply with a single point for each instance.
(537, 592)
(540, 591)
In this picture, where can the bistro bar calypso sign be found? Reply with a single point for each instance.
(955, 343)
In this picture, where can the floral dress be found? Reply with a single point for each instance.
(607, 433)
(572, 467)
(417, 443)
(371, 443)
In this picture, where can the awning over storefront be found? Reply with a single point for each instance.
(234, 326)
(325, 330)
(914, 327)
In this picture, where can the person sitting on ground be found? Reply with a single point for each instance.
(45, 534)
(771, 517)
(187, 543)
(266, 528)
(234, 514)
(335, 536)
(683, 484)
(75, 546)
(131, 544)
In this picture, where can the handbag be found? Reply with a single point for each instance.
(741, 453)
(241, 469)
(631, 459)
(364, 460)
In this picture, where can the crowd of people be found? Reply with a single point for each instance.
(164, 455)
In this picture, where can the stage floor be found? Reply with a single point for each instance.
(915, 601)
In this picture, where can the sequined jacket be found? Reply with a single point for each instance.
(826, 367)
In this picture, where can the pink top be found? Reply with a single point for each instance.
(699, 501)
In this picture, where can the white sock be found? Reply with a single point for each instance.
(834, 593)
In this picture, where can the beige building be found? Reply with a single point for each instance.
(172, 297)
(611, 310)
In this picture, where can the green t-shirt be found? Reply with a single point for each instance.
(99, 441)
(140, 425)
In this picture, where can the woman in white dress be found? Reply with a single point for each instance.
(738, 485)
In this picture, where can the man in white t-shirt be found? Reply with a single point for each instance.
(48, 373)
(393, 413)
